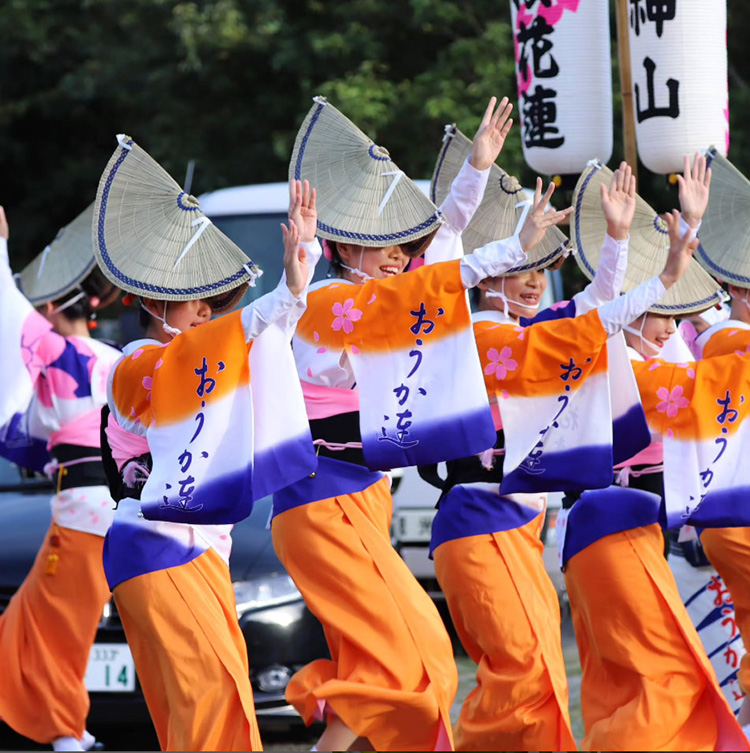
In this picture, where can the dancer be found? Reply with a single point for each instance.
(641, 657)
(206, 416)
(54, 385)
(724, 253)
(372, 354)
(486, 546)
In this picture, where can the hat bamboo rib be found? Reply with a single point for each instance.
(151, 238)
(724, 235)
(67, 261)
(647, 251)
(362, 196)
(498, 215)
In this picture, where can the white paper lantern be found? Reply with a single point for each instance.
(563, 69)
(678, 57)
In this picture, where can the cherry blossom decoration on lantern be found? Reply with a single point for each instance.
(564, 77)
(681, 101)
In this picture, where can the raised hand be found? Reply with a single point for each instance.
(4, 229)
(680, 250)
(296, 265)
(618, 202)
(693, 187)
(490, 136)
(302, 210)
(537, 220)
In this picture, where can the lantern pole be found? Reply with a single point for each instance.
(626, 86)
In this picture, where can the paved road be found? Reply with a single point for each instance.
(300, 739)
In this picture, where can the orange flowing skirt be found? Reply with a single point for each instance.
(45, 639)
(190, 655)
(646, 681)
(391, 677)
(729, 552)
(507, 615)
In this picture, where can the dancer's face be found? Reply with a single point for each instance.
(379, 263)
(657, 330)
(527, 288)
(183, 315)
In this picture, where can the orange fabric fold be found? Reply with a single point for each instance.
(45, 639)
(507, 615)
(391, 677)
(646, 681)
(729, 552)
(190, 655)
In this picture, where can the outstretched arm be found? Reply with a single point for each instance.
(618, 206)
(622, 311)
(467, 189)
(499, 257)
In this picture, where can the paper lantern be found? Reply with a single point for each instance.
(678, 57)
(563, 69)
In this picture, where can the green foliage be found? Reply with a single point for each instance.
(227, 82)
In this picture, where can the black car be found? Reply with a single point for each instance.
(282, 634)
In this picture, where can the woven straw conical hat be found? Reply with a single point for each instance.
(151, 238)
(647, 252)
(63, 264)
(498, 215)
(363, 198)
(724, 235)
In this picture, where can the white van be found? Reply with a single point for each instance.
(251, 216)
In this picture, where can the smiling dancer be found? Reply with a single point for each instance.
(54, 385)
(647, 683)
(391, 678)
(486, 546)
(207, 416)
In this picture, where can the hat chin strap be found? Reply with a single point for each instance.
(68, 304)
(172, 331)
(358, 270)
(644, 341)
(495, 294)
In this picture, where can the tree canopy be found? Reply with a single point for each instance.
(227, 83)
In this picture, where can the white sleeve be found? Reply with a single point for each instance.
(280, 306)
(607, 282)
(6, 276)
(627, 308)
(494, 259)
(466, 194)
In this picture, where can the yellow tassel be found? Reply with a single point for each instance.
(52, 560)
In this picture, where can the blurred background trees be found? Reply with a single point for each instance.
(227, 82)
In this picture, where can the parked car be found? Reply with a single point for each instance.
(282, 635)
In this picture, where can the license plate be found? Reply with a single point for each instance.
(413, 525)
(110, 669)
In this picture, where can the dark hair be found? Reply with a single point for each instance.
(95, 285)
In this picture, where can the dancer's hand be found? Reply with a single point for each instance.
(4, 230)
(302, 210)
(680, 251)
(618, 202)
(537, 220)
(296, 265)
(490, 136)
(694, 187)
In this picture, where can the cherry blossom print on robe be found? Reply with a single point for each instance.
(224, 419)
(409, 343)
(701, 410)
(552, 386)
